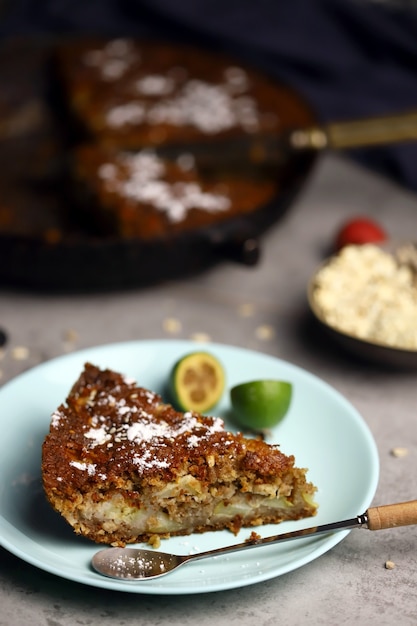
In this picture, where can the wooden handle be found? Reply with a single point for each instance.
(392, 515)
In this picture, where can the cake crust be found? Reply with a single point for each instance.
(122, 466)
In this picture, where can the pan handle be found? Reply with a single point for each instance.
(356, 134)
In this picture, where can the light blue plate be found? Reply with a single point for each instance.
(322, 429)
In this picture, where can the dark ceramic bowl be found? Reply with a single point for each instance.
(371, 351)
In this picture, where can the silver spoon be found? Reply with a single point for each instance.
(142, 564)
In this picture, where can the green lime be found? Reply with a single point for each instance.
(260, 404)
(197, 382)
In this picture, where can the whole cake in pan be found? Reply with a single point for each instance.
(121, 466)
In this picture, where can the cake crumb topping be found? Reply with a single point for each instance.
(122, 422)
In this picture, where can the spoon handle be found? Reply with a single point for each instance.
(375, 518)
(356, 522)
(392, 515)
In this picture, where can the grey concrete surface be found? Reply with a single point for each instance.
(349, 584)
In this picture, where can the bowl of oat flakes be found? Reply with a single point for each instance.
(365, 297)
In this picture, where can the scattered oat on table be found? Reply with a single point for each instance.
(399, 452)
(172, 325)
(70, 338)
(246, 310)
(70, 335)
(389, 564)
(265, 332)
(20, 353)
(200, 337)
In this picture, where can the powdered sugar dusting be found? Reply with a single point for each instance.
(144, 91)
(210, 108)
(130, 113)
(98, 436)
(140, 177)
(144, 431)
(114, 60)
(90, 468)
(56, 418)
(147, 461)
(155, 85)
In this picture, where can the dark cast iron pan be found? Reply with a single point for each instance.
(47, 252)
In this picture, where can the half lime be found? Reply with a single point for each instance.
(260, 404)
(197, 382)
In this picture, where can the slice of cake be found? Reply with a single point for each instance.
(143, 195)
(129, 93)
(122, 467)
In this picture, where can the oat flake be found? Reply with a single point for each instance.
(265, 332)
(20, 353)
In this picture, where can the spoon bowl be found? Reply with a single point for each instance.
(135, 564)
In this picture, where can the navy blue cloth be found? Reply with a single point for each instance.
(348, 58)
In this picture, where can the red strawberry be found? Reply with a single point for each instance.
(358, 231)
